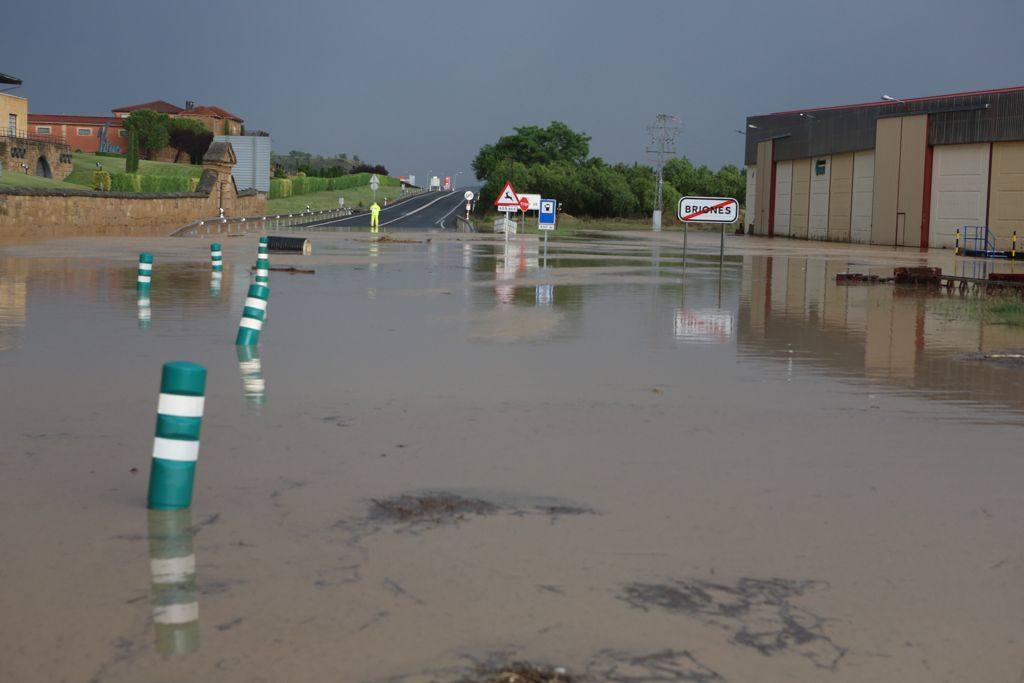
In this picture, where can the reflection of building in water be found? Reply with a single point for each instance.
(172, 563)
(13, 290)
(253, 385)
(902, 336)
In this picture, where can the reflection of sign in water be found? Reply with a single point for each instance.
(707, 325)
(545, 294)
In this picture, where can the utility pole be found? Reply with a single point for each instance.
(663, 134)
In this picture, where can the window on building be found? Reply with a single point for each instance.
(122, 133)
(819, 167)
(12, 124)
(43, 130)
(84, 131)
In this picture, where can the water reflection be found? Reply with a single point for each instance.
(13, 290)
(145, 310)
(253, 385)
(792, 310)
(172, 564)
(215, 282)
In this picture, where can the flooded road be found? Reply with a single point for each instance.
(460, 453)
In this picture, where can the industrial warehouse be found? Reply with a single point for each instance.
(897, 172)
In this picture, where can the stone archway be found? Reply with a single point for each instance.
(43, 168)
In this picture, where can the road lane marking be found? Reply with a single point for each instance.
(414, 211)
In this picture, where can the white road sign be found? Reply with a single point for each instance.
(534, 200)
(708, 210)
(507, 199)
(468, 195)
(374, 182)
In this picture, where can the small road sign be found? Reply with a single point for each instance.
(508, 200)
(524, 204)
(468, 196)
(534, 201)
(374, 182)
(708, 210)
(546, 221)
(341, 202)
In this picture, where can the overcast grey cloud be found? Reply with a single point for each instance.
(419, 86)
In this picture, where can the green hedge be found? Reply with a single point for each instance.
(100, 180)
(160, 184)
(288, 187)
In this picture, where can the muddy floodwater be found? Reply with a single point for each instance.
(453, 458)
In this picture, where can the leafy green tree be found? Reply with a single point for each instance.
(151, 127)
(533, 145)
(131, 162)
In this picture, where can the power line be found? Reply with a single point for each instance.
(663, 134)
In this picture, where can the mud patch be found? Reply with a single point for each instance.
(759, 613)
(417, 512)
(668, 665)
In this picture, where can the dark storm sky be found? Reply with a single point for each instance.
(420, 86)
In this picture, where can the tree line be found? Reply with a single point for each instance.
(317, 166)
(555, 162)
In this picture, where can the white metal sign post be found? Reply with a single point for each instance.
(374, 184)
(708, 210)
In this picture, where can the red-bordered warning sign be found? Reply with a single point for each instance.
(708, 210)
(508, 197)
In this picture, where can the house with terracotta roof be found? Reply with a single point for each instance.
(82, 133)
(156, 105)
(218, 121)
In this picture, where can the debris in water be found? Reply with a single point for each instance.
(520, 672)
(429, 508)
(759, 612)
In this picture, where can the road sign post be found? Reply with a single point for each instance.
(374, 184)
(546, 217)
(722, 210)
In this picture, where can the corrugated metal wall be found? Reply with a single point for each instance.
(1006, 200)
(959, 190)
(764, 187)
(820, 176)
(840, 197)
(913, 149)
(863, 184)
(253, 153)
(885, 190)
(783, 190)
(800, 205)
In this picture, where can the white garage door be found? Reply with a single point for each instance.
(821, 168)
(959, 190)
(783, 196)
(750, 210)
(863, 186)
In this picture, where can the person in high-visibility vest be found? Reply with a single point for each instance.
(374, 217)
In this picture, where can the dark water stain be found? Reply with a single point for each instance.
(229, 624)
(666, 665)
(760, 613)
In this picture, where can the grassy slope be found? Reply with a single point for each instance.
(999, 310)
(85, 164)
(328, 199)
(22, 180)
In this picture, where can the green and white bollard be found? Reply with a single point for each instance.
(263, 263)
(253, 315)
(216, 258)
(176, 445)
(145, 276)
(172, 565)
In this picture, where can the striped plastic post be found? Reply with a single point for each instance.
(253, 315)
(176, 445)
(145, 276)
(172, 565)
(263, 263)
(216, 260)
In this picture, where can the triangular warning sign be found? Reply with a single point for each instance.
(508, 196)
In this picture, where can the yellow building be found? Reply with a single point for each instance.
(13, 109)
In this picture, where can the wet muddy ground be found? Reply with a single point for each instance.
(466, 461)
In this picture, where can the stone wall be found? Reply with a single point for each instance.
(15, 151)
(26, 212)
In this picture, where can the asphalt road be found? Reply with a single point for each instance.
(428, 211)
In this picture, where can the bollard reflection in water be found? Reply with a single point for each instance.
(253, 384)
(145, 312)
(172, 563)
(215, 281)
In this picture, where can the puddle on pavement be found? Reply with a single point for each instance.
(471, 460)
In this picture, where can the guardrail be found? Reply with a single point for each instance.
(240, 225)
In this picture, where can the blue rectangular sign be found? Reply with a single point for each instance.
(546, 219)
